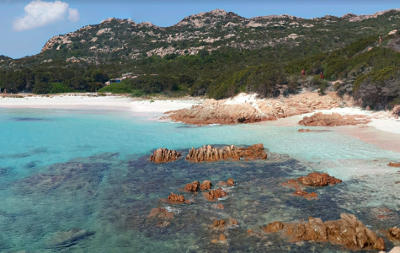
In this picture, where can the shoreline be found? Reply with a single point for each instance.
(383, 130)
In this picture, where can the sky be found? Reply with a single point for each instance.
(26, 25)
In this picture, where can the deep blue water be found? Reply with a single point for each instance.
(88, 171)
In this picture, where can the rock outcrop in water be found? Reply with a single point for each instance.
(334, 119)
(229, 183)
(348, 231)
(314, 179)
(163, 155)
(392, 164)
(205, 185)
(212, 154)
(318, 179)
(193, 186)
(176, 198)
(214, 195)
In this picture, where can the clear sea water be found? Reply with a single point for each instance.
(87, 171)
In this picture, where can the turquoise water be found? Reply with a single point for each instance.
(88, 170)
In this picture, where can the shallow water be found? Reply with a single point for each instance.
(88, 171)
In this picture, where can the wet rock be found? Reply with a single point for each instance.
(218, 206)
(334, 119)
(163, 155)
(218, 225)
(230, 182)
(221, 225)
(65, 239)
(215, 194)
(392, 164)
(205, 185)
(318, 179)
(348, 231)
(394, 234)
(176, 198)
(211, 154)
(193, 186)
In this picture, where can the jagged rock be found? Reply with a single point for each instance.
(230, 182)
(163, 155)
(348, 231)
(215, 194)
(314, 179)
(394, 234)
(176, 198)
(211, 154)
(193, 186)
(206, 185)
(318, 179)
(221, 225)
(334, 119)
(392, 164)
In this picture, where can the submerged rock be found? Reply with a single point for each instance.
(221, 239)
(221, 225)
(65, 239)
(215, 194)
(160, 213)
(163, 155)
(230, 182)
(348, 231)
(205, 185)
(211, 154)
(334, 119)
(193, 186)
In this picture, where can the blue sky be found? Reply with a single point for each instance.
(24, 33)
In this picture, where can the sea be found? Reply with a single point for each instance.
(81, 181)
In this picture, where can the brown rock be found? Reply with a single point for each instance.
(230, 182)
(306, 195)
(394, 234)
(392, 164)
(396, 111)
(212, 154)
(215, 194)
(163, 155)
(193, 186)
(218, 224)
(206, 185)
(176, 198)
(303, 130)
(221, 239)
(347, 231)
(218, 206)
(334, 119)
(318, 179)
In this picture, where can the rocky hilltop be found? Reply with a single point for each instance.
(210, 31)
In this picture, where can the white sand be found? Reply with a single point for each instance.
(90, 101)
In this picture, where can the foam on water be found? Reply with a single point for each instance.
(88, 171)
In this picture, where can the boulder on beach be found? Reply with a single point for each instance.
(211, 154)
(334, 119)
(348, 231)
(163, 155)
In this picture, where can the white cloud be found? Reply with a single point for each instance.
(73, 15)
(40, 13)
